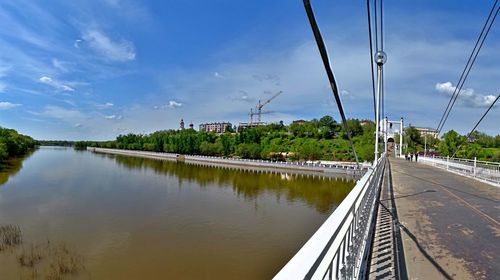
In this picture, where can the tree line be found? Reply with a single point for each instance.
(14, 144)
(302, 140)
(479, 144)
(322, 138)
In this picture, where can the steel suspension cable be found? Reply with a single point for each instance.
(480, 120)
(329, 72)
(381, 27)
(468, 70)
(382, 49)
(375, 23)
(445, 113)
(371, 57)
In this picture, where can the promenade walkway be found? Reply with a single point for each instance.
(450, 224)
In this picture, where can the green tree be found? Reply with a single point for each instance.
(451, 141)
(413, 139)
(310, 150)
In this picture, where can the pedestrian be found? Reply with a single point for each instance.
(411, 157)
(416, 157)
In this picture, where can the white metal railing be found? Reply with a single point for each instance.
(339, 249)
(484, 170)
(348, 167)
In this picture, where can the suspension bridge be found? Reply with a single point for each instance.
(432, 218)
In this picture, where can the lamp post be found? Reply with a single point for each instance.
(380, 59)
(385, 134)
(425, 144)
(401, 138)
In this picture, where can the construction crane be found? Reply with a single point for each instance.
(252, 113)
(260, 105)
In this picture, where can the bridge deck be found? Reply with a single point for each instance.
(386, 261)
(450, 223)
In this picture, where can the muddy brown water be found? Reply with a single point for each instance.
(135, 218)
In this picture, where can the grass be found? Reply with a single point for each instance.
(10, 236)
(51, 261)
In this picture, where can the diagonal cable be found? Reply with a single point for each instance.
(467, 66)
(468, 71)
(326, 62)
(371, 57)
(480, 120)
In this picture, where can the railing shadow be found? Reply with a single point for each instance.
(408, 195)
(419, 246)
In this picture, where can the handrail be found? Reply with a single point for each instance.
(232, 161)
(339, 248)
(486, 171)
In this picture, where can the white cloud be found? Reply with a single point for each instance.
(113, 117)
(56, 84)
(468, 97)
(103, 106)
(4, 70)
(60, 65)
(76, 44)
(3, 87)
(7, 105)
(244, 97)
(122, 50)
(3, 73)
(56, 112)
(173, 104)
(218, 75)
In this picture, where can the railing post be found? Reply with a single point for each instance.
(475, 165)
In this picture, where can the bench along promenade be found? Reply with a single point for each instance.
(264, 165)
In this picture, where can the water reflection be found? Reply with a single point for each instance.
(134, 218)
(10, 167)
(322, 193)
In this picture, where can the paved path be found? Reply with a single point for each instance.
(450, 223)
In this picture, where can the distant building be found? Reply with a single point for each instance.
(191, 126)
(299, 122)
(427, 131)
(242, 126)
(365, 122)
(220, 127)
(182, 124)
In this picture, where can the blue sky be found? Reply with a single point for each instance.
(95, 69)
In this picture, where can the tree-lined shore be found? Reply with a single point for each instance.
(302, 140)
(13, 144)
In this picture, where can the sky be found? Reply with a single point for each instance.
(91, 70)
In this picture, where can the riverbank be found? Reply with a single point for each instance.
(290, 167)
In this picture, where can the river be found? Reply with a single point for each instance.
(117, 217)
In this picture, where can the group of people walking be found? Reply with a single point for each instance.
(410, 156)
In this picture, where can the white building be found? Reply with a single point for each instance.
(427, 131)
(219, 127)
